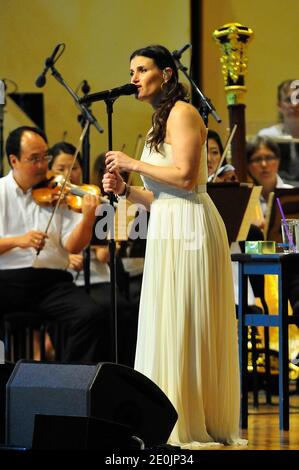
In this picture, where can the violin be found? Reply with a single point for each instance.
(47, 192)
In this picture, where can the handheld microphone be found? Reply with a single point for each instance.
(177, 54)
(41, 79)
(128, 89)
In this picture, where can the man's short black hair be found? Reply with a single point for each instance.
(13, 142)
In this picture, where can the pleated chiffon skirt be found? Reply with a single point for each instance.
(187, 333)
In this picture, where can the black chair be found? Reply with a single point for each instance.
(19, 328)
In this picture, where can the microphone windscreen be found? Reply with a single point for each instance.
(40, 81)
(129, 89)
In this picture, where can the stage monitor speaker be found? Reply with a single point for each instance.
(5, 372)
(108, 391)
(81, 433)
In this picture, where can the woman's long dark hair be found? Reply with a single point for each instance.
(215, 136)
(172, 92)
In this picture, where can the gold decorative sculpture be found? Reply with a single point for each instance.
(233, 39)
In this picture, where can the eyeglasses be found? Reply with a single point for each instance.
(259, 160)
(36, 160)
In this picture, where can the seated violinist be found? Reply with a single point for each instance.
(225, 172)
(33, 263)
(62, 158)
(62, 155)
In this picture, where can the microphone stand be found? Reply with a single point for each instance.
(206, 107)
(87, 116)
(86, 113)
(86, 172)
(112, 252)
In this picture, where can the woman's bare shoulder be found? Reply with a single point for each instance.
(185, 109)
(187, 113)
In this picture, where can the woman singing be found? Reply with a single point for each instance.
(187, 332)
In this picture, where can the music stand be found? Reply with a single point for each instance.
(224, 196)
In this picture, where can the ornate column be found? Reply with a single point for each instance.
(233, 39)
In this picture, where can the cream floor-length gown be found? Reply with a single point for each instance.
(187, 332)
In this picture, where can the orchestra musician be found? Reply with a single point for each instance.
(263, 160)
(39, 282)
(286, 131)
(62, 154)
(215, 150)
(62, 159)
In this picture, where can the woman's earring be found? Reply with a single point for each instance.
(163, 84)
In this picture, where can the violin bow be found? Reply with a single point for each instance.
(63, 185)
(226, 149)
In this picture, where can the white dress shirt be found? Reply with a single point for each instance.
(20, 214)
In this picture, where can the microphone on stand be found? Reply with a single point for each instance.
(41, 79)
(128, 89)
(85, 88)
(177, 54)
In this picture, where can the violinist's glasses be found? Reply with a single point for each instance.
(260, 160)
(36, 160)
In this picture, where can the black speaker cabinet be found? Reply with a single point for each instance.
(5, 372)
(81, 433)
(108, 391)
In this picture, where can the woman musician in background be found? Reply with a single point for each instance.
(225, 172)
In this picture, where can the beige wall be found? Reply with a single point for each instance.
(99, 37)
(273, 54)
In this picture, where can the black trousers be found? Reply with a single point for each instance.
(127, 320)
(52, 294)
